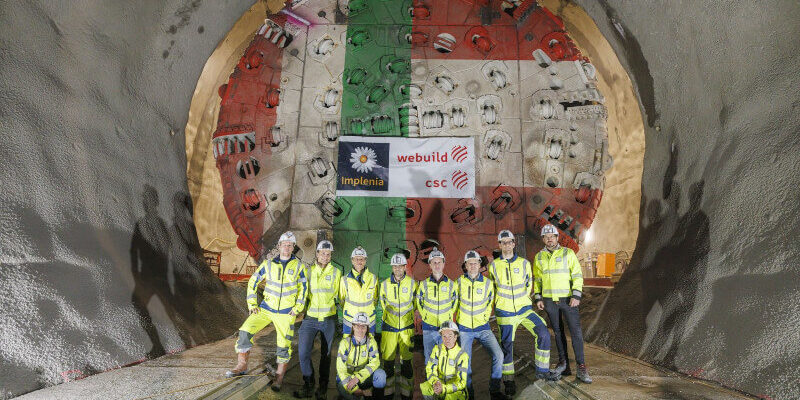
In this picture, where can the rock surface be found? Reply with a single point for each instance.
(100, 260)
(711, 289)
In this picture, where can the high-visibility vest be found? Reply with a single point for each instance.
(448, 366)
(397, 301)
(436, 301)
(284, 286)
(475, 301)
(323, 290)
(358, 295)
(557, 274)
(513, 282)
(359, 360)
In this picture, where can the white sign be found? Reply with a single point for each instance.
(440, 167)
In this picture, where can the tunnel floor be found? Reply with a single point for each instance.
(198, 373)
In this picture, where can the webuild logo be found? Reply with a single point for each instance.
(458, 154)
(363, 166)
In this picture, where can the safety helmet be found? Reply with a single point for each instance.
(361, 319)
(435, 253)
(449, 325)
(505, 234)
(358, 252)
(324, 245)
(399, 259)
(288, 236)
(472, 255)
(549, 229)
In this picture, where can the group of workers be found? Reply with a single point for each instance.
(451, 311)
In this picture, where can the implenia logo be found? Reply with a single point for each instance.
(459, 153)
(460, 179)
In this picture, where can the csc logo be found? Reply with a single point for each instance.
(436, 183)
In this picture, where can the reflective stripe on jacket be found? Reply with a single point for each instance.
(475, 301)
(323, 290)
(358, 295)
(557, 274)
(284, 286)
(357, 360)
(513, 282)
(448, 366)
(436, 301)
(397, 301)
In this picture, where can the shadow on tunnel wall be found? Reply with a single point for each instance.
(167, 263)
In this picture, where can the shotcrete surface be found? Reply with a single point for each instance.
(100, 260)
(712, 286)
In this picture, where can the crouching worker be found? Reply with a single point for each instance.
(284, 298)
(447, 367)
(358, 362)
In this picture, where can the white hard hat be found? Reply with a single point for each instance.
(288, 236)
(324, 245)
(361, 319)
(505, 234)
(358, 252)
(435, 253)
(449, 325)
(549, 229)
(399, 259)
(472, 255)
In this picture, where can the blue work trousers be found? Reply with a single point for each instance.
(306, 334)
(487, 339)
(556, 310)
(429, 340)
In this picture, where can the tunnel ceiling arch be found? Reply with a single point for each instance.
(509, 76)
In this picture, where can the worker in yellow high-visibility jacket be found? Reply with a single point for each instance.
(284, 298)
(557, 288)
(323, 292)
(447, 368)
(436, 300)
(358, 364)
(513, 281)
(475, 303)
(358, 291)
(397, 301)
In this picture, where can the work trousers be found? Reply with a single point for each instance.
(554, 311)
(487, 339)
(536, 326)
(284, 329)
(429, 340)
(397, 344)
(306, 334)
(377, 380)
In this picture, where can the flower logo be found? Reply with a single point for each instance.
(363, 159)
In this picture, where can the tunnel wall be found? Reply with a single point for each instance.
(100, 261)
(712, 287)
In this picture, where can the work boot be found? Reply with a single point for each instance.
(583, 374)
(511, 387)
(307, 390)
(549, 376)
(322, 390)
(278, 380)
(377, 394)
(562, 368)
(494, 390)
(241, 365)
